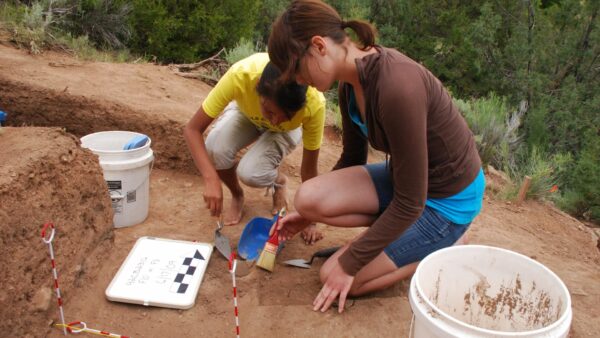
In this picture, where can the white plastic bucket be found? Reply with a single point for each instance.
(481, 291)
(127, 174)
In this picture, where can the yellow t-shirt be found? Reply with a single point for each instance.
(239, 84)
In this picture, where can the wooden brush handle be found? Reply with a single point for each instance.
(274, 230)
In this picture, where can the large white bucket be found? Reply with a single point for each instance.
(127, 174)
(481, 291)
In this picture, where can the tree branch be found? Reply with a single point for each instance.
(584, 44)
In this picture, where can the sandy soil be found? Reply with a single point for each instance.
(46, 177)
(70, 192)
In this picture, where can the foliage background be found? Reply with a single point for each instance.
(525, 73)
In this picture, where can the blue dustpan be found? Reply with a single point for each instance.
(136, 142)
(254, 237)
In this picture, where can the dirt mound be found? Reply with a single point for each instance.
(84, 97)
(46, 177)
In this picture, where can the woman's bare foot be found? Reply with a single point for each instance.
(234, 215)
(280, 195)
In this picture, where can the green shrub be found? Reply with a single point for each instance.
(241, 50)
(540, 168)
(495, 130)
(28, 26)
(585, 180)
(43, 25)
(84, 49)
(269, 10)
(34, 17)
(573, 202)
(334, 116)
(188, 30)
(104, 22)
(544, 171)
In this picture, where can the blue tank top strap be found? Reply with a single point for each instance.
(355, 113)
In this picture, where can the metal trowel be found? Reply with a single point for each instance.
(303, 263)
(221, 241)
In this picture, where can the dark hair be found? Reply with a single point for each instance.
(289, 96)
(303, 19)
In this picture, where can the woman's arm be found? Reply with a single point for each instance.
(308, 168)
(401, 122)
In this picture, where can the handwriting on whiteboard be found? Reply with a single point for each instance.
(152, 271)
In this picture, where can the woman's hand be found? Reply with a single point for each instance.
(311, 235)
(213, 196)
(290, 225)
(338, 283)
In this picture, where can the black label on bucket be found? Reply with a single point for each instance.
(131, 196)
(114, 185)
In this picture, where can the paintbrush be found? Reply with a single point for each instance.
(266, 260)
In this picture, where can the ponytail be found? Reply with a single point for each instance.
(365, 32)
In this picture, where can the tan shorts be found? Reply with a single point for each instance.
(258, 167)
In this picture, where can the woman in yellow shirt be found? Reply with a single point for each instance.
(254, 107)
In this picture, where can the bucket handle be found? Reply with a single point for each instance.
(120, 197)
(411, 333)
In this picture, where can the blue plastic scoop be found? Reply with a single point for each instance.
(136, 142)
(254, 237)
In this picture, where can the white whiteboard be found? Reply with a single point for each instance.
(161, 272)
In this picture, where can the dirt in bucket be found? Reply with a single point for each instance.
(524, 310)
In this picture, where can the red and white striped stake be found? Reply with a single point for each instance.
(232, 267)
(55, 275)
(77, 327)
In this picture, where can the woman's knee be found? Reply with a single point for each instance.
(252, 175)
(307, 198)
(223, 157)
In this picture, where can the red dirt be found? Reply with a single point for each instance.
(45, 175)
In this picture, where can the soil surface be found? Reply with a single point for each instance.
(53, 99)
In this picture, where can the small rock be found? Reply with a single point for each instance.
(65, 158)
(78, 271)
(41, 299)
(188, 184)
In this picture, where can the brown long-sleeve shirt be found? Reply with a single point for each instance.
(411, 117)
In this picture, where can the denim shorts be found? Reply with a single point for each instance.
(430, 232)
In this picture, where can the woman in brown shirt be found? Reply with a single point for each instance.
(420, 200)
